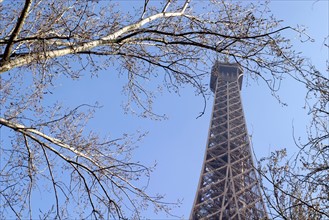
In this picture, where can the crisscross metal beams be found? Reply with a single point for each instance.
(228, 186)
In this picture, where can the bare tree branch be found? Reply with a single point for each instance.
(158, 45)
(15, 33)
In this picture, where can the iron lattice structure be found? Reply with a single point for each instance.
(228, 186)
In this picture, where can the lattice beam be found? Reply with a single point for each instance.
(228, 186)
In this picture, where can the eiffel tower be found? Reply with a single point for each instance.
(228, 186)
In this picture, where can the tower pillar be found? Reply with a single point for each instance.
(228, 186)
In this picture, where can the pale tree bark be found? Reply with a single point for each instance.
(77, 48)
(44, 40)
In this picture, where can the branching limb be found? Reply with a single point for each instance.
(16, 31)
(108, 40)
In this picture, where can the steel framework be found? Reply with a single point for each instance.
(228, 186)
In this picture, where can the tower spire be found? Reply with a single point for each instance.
(228, 186)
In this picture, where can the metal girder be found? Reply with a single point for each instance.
(228, 186)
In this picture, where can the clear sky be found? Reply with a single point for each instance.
(178, 144)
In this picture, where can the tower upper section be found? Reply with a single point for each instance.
(229, 187)
(227, 72)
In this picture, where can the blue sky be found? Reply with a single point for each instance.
(178, 144)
